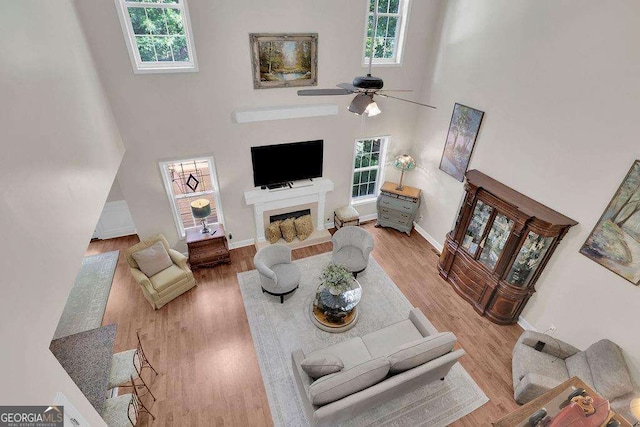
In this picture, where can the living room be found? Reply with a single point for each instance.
(557, 84)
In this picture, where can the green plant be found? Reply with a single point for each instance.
(336, 277)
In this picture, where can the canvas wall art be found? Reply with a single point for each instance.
(463, 131)
(615, 241)
(284, 60)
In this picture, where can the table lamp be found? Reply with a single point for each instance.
(634, 407)
(201, 209)
(404, 162)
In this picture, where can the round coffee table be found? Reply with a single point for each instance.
(336, 313)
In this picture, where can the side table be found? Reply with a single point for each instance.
(207, 249)
(397, 208)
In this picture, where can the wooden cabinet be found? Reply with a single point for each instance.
(501, 242)
(207, 249)
(397, 208)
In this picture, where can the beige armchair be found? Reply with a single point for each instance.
(167, 284)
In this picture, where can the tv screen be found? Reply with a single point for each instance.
(281, 163)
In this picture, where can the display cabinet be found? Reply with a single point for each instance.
(499, 246)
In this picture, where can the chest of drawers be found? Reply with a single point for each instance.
(207, 250)
(398, 208)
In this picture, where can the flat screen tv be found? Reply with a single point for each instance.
(282, 163)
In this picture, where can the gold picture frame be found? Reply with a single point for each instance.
(284, 60)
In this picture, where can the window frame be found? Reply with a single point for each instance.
(140, 67)
(215, 190)
(384, 142)
(403, 17)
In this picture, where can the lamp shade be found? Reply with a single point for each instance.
(200, 208)
(635, 408)
(404, 162)
(372, 109)
(360, 103)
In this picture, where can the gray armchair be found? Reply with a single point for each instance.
(351, 248)
(601, 366)
(278, 275)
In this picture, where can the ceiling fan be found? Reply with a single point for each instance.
(365, 87)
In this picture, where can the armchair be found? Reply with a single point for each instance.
(167, 284)
(351, 248)
(601, 366)
(278, 275)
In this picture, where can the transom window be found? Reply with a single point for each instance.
(186, 181)
(367, 167)
(389, 37)
(158, 35)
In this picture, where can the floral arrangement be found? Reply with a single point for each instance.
(336, 277)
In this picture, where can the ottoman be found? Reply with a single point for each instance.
(346, 215)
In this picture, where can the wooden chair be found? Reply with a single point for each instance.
(127, 366)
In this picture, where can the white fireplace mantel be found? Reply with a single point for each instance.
(302, 192)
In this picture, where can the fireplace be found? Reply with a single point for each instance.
(305, 195)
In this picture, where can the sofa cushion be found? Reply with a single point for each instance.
(351, 257)
(168, 277)
(336, 386)
(385, 341)
(577, 366)
(321, 365)
(288, 229)
(415, 353)
(352, 352)
(272, 232)
(527, 360)
(153, 259)
(609, 369)
(304, 226)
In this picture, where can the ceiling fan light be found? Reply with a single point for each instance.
(360, 103)
(373, 109)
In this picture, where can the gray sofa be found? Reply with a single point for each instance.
(379, 350)
(601, 366)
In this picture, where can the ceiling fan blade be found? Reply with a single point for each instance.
(395, 90)
(323, 92)
(348, 86)
(406, 100)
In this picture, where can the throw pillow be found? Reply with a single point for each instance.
(304, 226)
(336, 386)
(321, 365)
(415, 353)
(288, 229)
(153, 259)
(273, 232)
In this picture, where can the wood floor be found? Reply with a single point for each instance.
(201, 343)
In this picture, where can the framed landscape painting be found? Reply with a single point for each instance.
(463, 130)
(284, 60)
(615, 240)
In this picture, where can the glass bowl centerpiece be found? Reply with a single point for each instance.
(337, 295)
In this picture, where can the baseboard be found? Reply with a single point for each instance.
(428, 237)
(526, 325)
(115, 221)
(241, 243)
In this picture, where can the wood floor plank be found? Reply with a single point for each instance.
(201, 343)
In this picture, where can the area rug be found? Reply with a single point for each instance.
(278, 329)
(88, 298)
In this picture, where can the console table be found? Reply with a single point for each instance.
(397, 208)
(207, 249)
(86, 356)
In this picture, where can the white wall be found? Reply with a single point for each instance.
(559, 86)
(172, 116)
(60, 153)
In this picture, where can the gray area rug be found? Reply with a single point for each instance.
(88, 298)
(278, 329)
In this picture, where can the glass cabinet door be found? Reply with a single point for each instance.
(477, 225)
(531, 253)
(495, 241)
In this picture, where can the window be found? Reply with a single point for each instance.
(367, 168)
(392, 22)
(186, 181)
(158, 35)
